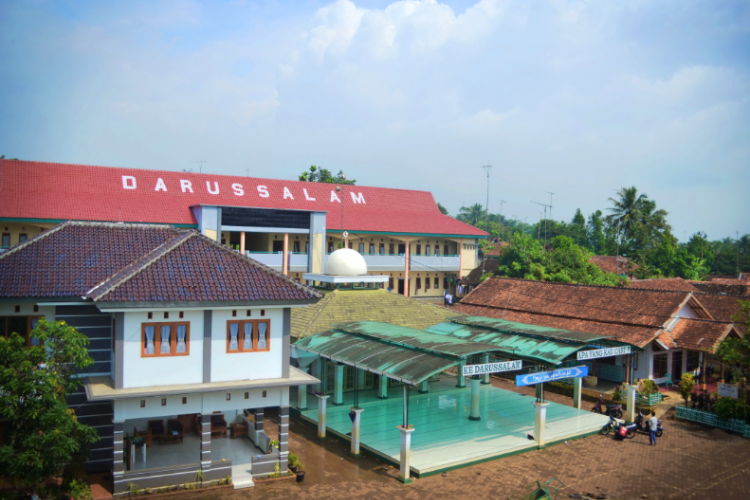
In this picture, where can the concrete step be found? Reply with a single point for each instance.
(243, 482)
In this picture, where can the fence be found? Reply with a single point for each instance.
(650, 399)
(704, 417)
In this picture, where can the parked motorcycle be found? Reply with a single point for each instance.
(642, 425)
(615, 410)
(623, 430)
(609, 426)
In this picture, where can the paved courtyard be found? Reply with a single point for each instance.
(690, 462)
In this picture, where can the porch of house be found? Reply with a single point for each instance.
(444, 437)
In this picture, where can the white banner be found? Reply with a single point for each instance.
(603, 353)
(503, 366)
(728, 391)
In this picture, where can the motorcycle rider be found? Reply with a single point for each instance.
(653, 426)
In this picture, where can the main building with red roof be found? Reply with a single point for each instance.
(287, 225)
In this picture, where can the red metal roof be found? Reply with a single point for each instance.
(54, 191)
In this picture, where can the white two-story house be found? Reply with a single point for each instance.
(190, 341)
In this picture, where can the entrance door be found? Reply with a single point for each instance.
(401, 286)
(677, 366)
(278, 246)
(401, 248)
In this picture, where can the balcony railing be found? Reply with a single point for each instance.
(297, 260)
(375, 262)
(435, 262)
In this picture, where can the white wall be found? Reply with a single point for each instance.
(687, 312)
(246, 365)
(130, 409)
(167, 370)
(645, 364)
(27, 309)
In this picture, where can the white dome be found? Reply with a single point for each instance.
(346, 262)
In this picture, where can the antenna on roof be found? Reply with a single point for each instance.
(487, 210)
(545, 218)
(200, 165)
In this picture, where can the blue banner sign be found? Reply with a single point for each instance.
(539, 377)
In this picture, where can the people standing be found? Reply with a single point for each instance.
(653, 425)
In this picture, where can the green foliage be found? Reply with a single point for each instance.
(736, 352)
(132, 489)
(566, 262)
(79, 490)
(617, 395)
(728, 408)
(687, 382)
(647, 387)
(199, 477)
(228, 479)
(442, 209)
(317, 174)
(471, 215)
(42, 434)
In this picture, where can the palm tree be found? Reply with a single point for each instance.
(626, 211)
(471, 215)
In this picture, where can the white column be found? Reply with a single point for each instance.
(302, 395)
(355, 432)
(322, 415)
(540, 419)
(338, 385)
(577, 392)
(461, 382)
(486, 376)
(475, 383)
(383, 387)
(405, 454)
(630, 417)
(424, 387)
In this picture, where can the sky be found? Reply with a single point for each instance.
(577, 98)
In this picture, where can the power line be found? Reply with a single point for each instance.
(487, 210)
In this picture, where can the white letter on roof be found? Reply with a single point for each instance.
(128, 182)
(358, 199)
(263, 190)
(216, 187)
(237, 188)
(334, 197)
(287, 193)
(307, 196)
(160, 186)
(186, 185)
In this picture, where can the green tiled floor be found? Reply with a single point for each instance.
(444, 437)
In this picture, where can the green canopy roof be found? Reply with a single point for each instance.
(397, 352)
(549, 345)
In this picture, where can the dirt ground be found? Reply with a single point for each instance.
(689, 462)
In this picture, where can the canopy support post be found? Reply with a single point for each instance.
(475, 385)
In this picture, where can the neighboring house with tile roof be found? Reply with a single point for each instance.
(290, 226)
(675, 329)
(614, 264)
(732, 289)
(670, 284)
(180, 328)
(472, 279)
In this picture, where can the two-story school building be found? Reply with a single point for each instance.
(191, 342)
(290, 226)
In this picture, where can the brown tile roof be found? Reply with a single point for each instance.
(721, 307)
(700, 334)
(715, 288)
(613, 264)
(731, 281)
(344, 306)
(472, 278)
(592, 303)
(140, 263)
(672, 284)
(496, 246)
(636, 335)
(72, 258)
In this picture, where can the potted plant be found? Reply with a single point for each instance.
(300, 473)
(273, 444)
(293, 462)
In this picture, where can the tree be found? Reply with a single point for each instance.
(736, 352)
(442, 209)
(577, 229)
(687, 382)
(596, 236)
(317, 174)
(42, 434)
(694, 268)
(471, 215)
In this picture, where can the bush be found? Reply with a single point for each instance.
(728, 408)
(687, 383)
(647, 387)
(617, 395)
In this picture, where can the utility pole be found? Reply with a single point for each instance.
(487, 211)
(545, 219)
(738, 253)
(550, 212)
